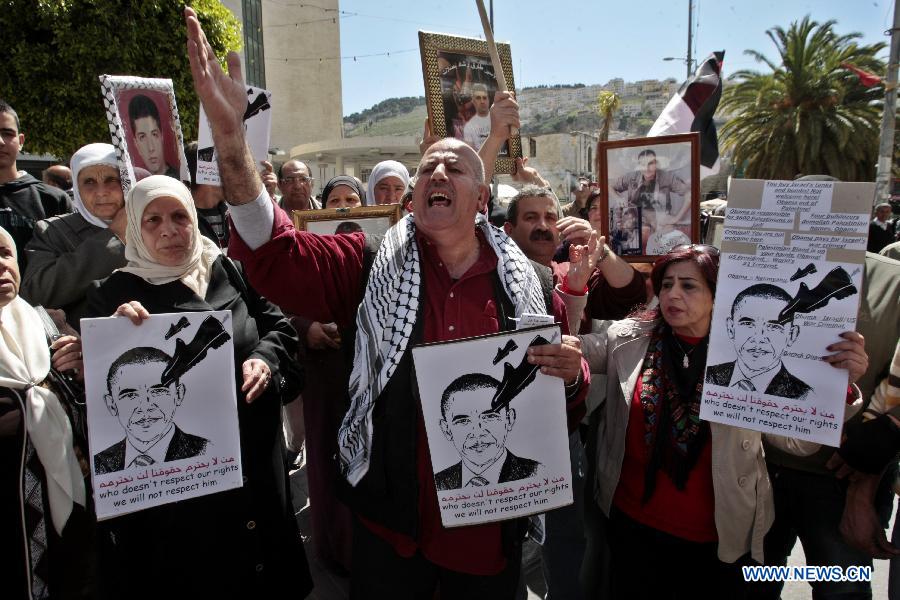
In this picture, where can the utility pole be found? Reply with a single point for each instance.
(886, 149)
(691, 37)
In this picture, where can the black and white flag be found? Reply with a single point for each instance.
(692, 109)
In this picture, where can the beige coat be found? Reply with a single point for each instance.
(743, 496)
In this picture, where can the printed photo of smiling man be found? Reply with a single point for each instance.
(145, 408)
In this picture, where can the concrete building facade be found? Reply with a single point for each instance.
(561, 158)
(294, 51)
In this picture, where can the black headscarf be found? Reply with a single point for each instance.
(347, 180)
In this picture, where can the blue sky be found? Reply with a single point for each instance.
(567, 41)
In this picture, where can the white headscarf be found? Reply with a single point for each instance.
(90, 156)
(195, 271)
(386, 168)
(25, 363)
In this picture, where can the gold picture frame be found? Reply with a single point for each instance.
(448, 91)
(372, 220)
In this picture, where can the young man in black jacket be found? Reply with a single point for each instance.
(23, 199)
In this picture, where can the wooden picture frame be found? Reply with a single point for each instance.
(643, 222)
(373, 220)
(452, 66)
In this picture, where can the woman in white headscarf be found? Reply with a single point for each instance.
(387, 183)
(246, 537)
(68, 253)
(46, 530)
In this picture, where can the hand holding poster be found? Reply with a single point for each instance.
(496, 427)
(257, 131)
(162, 425)
(789, 281)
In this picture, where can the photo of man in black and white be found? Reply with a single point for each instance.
(145, 408)
(479, 432)
(761, 335)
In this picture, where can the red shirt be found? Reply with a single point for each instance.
(452, 309)
(687, 513)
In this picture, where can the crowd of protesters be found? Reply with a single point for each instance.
(666, 505)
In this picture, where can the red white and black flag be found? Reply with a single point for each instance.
(692, 109)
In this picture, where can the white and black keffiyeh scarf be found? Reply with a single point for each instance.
(386, 318)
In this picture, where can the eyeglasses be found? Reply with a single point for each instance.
(703, 248)
(297, 179)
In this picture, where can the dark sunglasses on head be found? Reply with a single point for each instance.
(704, 248)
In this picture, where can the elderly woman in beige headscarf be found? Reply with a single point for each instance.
(248, 536)
(45, 526)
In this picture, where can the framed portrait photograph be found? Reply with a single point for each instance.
(460, 85)
(652, 202)
(144, 126)
(371, 220)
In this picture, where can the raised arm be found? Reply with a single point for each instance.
(504, 114)
(224, 98)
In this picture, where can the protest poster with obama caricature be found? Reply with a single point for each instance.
(496, 427)
(790, 277)
(162, 418)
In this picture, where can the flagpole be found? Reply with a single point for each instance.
(495, 56)
(886, 149)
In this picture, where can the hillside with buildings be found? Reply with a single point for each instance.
(544, 110)
(559, 123)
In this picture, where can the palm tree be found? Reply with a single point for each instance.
(607, 104)
(809, 115)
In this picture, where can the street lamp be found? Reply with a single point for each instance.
(690, 62)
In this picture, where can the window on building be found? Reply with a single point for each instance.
(255, 67)
(364, 174)
(590, 161)
(532, 147)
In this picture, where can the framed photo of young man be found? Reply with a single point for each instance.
(652, 200)
(460, 85)
(144, 127)
(372, 220)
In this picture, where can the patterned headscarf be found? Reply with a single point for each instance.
(385, 322)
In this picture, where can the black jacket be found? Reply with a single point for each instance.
(242, 543)
(24, 201)
(67, 569)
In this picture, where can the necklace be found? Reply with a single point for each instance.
(685, 362)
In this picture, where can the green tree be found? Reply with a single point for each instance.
(54, 51)
(607, 105)
(809, 115)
